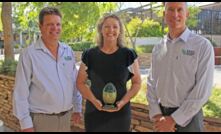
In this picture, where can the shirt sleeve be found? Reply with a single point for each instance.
(200, 93)
(154, 108)
(84, 57)
(21, 91)
(132, 56)
(77, 98)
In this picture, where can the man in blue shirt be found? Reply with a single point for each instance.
(181, 76)
(45, 93)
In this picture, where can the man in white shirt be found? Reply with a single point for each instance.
(181, 76)
(45, 93)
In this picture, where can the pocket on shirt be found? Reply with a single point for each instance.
(186, 64)
(68, 68)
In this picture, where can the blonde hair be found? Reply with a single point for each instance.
(99, 38)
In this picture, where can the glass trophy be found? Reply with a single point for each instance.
(109, 96)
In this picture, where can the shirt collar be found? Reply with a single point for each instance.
(184, 36)
(40, 45)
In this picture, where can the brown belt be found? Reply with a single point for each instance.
(54, 114)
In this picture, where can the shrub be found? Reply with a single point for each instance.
(213, 107)
(144, 49)
(81, 46)
(8, 67)
(16, 46)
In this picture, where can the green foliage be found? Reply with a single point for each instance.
(133, 25)
(213, 106)
(81, 46)
(8, 67)
(192, 20)
(78, 21)
(16, 46)
(149, 28)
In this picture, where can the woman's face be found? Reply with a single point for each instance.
(110, 29)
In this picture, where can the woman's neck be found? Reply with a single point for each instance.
(109, 48)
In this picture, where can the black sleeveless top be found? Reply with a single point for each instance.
(103, 68)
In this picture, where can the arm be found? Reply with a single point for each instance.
(77, 101)
(84, 89)
(154, 109)
(200, 93)
(21, 92)
(135, 86)
(77, 98)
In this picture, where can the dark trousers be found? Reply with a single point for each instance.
(196, 124)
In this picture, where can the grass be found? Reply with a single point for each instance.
(211, 109)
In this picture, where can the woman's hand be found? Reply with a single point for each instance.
(120, 104)
(97, 104)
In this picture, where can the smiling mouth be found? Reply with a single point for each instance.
(57, 33)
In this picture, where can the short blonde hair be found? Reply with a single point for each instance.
(99, 38)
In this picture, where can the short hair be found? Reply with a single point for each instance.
(164, 4)
(48, 11)
(99, 39)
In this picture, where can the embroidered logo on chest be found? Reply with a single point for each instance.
(188, 52)
(67, 58)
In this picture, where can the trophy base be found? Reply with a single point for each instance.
(109, 107)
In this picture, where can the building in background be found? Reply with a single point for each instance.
(209, 24)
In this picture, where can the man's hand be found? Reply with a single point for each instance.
(28, 130)
(165, 124)
(76, 118)
(157, 117)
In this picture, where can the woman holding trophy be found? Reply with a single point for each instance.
(108, 67)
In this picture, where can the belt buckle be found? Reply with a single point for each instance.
(60, 114)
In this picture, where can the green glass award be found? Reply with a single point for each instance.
(109, 96)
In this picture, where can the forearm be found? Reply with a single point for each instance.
(154, 108)
(86, 92)
(135, 87)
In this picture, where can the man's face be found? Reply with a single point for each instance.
(51, 27)
(176, 14)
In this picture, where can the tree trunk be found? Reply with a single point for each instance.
(7, 30)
